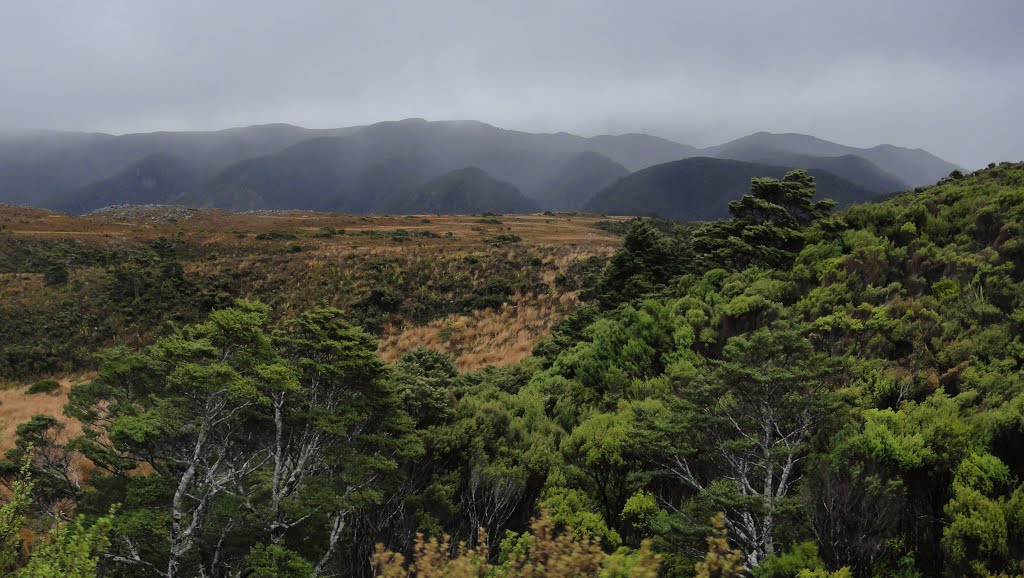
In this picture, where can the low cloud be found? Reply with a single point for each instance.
(941, 75)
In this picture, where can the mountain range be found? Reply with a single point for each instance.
(414, 166)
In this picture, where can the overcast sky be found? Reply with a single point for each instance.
(941, 75)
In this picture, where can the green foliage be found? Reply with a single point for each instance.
(43, 386)
(846, 389)
(647, 260)
(767, 225)
(504, 239)
(12, 517)
(69, 549)
(276, 236)
(791, 563)
(276, 562)
(56, 274)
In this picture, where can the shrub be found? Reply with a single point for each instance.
(504, 239)
(43, 386)
(275, 236)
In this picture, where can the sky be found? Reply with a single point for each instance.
(946, 76)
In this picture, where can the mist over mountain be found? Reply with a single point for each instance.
(700, 188)
(912, 167)
(38, 166)
(461, 192)
(160, 178)
(579, 179)
(365, 169)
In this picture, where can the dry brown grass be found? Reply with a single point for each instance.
(487, 337)
(215, 226)
(17, 407)
(327, 271)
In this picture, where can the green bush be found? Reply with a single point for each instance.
(504, 239)
(43, 386)
(276, 236)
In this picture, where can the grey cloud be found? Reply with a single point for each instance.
(941, 75)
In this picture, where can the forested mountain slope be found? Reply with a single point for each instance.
(41, 168)
(846, 388)
(248, 168)
(701, 188)
(329, 173)
(460, 192)
(353, 169)
(157, 179)
(912, 167)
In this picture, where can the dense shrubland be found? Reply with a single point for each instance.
(839, 394)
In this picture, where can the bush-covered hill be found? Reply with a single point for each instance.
(912, 167)
(700, 189)
(482, 288)
(156, 179)
(845, 388)
(460, 192)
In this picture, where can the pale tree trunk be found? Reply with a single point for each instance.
(337, 528)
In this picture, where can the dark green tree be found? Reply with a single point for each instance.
(767, 226)
(647, 260)
(738, 434)
(185, 410)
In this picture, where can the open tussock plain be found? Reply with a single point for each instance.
(484, 288)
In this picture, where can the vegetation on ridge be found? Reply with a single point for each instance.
(787, 393)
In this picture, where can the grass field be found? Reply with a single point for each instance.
(483, 288)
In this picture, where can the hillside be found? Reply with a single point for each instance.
(853, 168)
(911, 167)
(331, 173)
(47, 168)
(460, 192)
(157, 179)
(40, 168)
(124, 272)
(578, 181)
(795, 391)
(699, 189)
(639, 151)
(353, 169)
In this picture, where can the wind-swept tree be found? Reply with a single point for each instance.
(767, 226)
(184, 409)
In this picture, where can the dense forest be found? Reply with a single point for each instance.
(791, 392)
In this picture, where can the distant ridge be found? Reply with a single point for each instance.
(912, 167)
(462, 191)
(158, 178)
(700, 188)
(362, 169)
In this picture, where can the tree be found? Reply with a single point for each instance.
(767, 226)
(54, 467)
(737, 435)
(337, 429)
(647, 260)
(185, 409)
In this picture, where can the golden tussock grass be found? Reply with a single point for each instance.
(17, 407)
(488, 337)
(330, 270)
